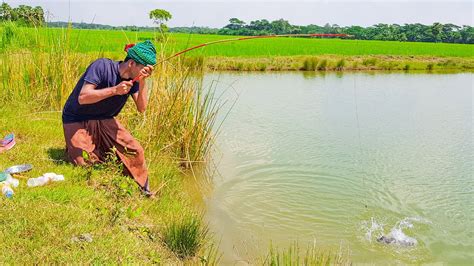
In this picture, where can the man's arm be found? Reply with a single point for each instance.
(141, 97)
(90, 95)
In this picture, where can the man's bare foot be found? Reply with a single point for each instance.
(150, 194)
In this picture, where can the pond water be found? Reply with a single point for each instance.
(339, 160)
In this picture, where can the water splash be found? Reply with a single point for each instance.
(375, 228)
(396, 236)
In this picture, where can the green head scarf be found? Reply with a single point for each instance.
(143, 53)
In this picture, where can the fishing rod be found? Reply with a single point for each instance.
(243, 39)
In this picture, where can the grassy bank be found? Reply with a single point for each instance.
(337, 63)
(98, 215)
(41, 224)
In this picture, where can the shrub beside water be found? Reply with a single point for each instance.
(340, 64)
(185, 236)
(310, 64)
(322, 64)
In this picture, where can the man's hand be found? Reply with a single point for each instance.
(123, 87)
(146, 72)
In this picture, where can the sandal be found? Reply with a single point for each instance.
(7, 147)
(5, 141)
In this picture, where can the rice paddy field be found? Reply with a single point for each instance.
(275, 54)
(114, 41)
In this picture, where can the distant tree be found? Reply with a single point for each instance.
(357, 31)
(437, 32)
(159, 16)
(451, 33)
(6, 12)
(467, 34)
(281, 26)
(263, 26)
(38, 16)
(312, 29)
(328, 28)
(235, 24)
(23, 14)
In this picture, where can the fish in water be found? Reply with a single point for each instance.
(397, 237)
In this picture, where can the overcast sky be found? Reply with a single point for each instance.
(217, 13)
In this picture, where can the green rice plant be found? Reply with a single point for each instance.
(185, 236)
(7, 35)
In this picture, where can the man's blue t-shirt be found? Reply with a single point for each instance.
(104, 73)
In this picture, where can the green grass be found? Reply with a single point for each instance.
(38, 224)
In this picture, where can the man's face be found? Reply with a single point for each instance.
(135, 68)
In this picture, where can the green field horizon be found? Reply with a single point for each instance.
(113, 41)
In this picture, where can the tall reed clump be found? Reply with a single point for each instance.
(322, 65)
(312, 256)
(43, 75)
(180, 116)
(340, 64)
(310, 64)
(185, 236)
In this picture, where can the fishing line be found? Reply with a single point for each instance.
(240, 39)
(357, 159)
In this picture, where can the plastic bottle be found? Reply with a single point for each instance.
(44, 179)
(7, 191)
(57, 178)
(36, 182)
(54, 177)
(12, 181)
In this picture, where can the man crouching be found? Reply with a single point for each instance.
(89, 113)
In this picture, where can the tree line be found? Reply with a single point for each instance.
(23, 14)
(437, 32)
(94, 26)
